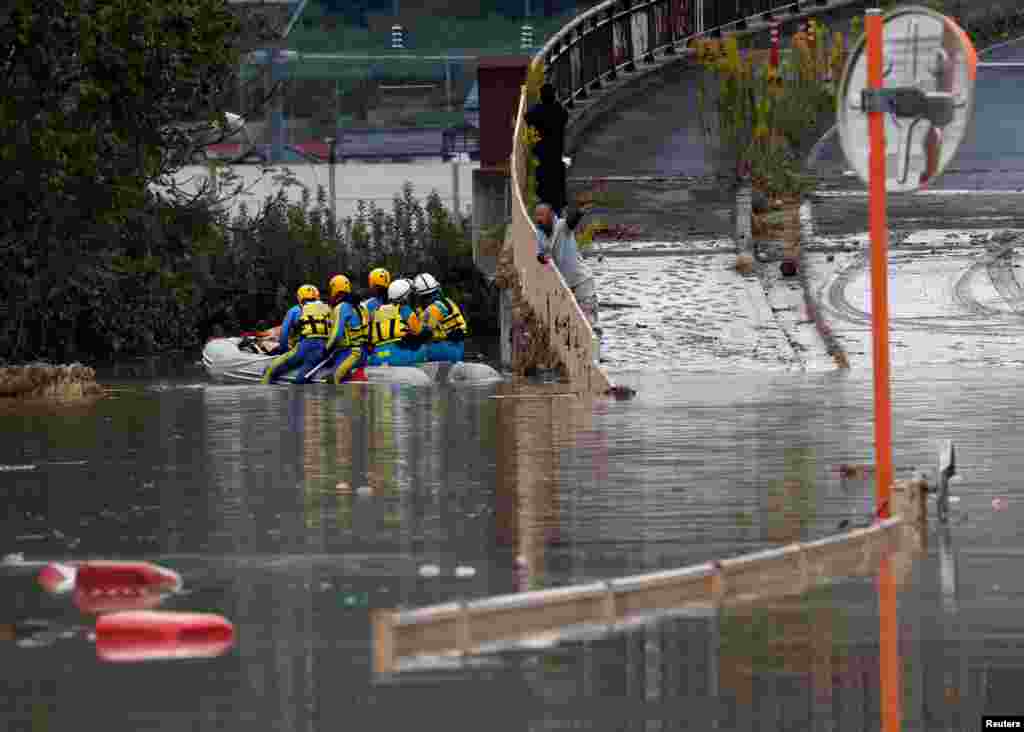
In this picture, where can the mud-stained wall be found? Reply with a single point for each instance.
(549, 329)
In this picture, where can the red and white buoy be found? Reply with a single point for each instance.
(57, 578)
(148, 635)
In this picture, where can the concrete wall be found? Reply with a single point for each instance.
(552, 328)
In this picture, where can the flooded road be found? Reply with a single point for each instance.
(293, 512)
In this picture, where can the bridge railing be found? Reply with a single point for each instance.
(611, 38)
(617, 35)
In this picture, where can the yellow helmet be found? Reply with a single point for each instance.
(308, 292)
(339, 285)
(380, 277)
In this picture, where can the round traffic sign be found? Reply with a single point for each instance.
(929, 71)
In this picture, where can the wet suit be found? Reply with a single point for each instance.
(347, 344)
(374, 300)
(447, 330)
(304, 334)
(395, 337)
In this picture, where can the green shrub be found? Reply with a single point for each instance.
(765, 119)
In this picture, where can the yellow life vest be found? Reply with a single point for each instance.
(388, 326)
(315, 321)
(353, 337)
(451, 319)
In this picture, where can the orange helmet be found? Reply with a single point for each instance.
(380, 277)
(308, 292)
(339, 285)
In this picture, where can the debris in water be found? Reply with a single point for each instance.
(956, 478)
(622, 392)
(854, 471)
(16, 468)
(15, 558)
(954, 499)
(998, 504)
(429, 570)
(465, 572)
(744, 264)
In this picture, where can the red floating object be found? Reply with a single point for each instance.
(106, 576)
(358, 375)
(94, 602)
(107, 586)
(149, 635)
(57, 578)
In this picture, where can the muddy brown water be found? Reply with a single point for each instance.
(253, 495)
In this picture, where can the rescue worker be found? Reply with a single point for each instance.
(396, 334)
(304, 334)
(346, 348)
(442, 319)
(379, 280)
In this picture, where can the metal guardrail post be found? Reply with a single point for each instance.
(947, 469)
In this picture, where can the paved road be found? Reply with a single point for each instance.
(654, 132)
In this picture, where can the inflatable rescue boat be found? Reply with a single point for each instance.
(234, 360)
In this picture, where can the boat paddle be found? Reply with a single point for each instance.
(313, 371)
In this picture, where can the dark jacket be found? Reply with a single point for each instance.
(550, 120)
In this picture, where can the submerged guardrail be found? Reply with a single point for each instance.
(467, 628)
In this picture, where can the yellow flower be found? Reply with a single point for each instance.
(732, 53)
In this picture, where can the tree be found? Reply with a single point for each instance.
(92, 97)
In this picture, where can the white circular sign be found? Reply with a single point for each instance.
(931, 65)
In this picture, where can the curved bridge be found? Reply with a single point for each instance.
(596, 63)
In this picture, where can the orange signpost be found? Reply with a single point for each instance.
(891, 692)
(904, 105)
(905, 102)
(879, 270)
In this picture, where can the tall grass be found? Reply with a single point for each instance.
(764, 119)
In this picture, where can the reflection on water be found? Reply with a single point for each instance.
(291, 512)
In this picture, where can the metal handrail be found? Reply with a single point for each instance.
(669, 22)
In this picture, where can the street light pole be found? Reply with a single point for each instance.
(334, 199)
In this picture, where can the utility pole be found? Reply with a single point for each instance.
(334, 198)
(455, 188)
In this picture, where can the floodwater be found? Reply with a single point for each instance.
(292, 512)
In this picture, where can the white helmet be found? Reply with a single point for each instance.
(399, 290)
(425, 284)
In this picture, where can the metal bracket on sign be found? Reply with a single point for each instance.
(910, 103)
